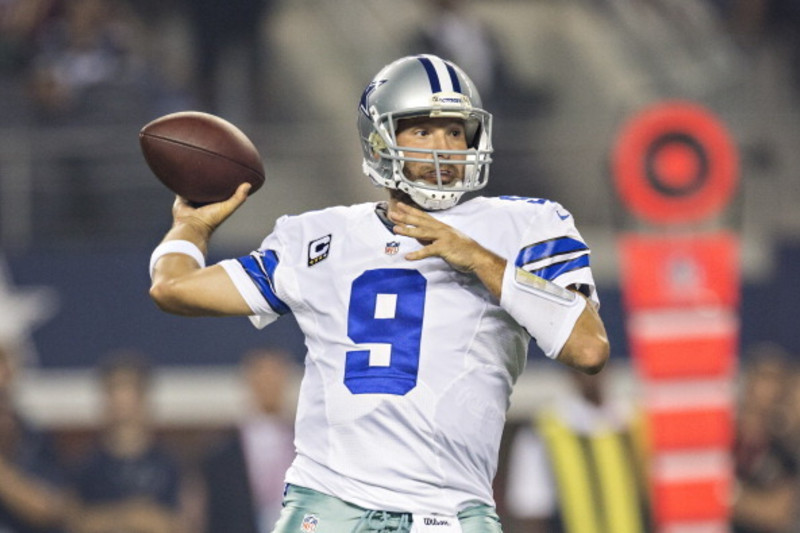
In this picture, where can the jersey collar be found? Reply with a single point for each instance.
(382, 212)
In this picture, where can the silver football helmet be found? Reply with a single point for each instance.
(415, 86)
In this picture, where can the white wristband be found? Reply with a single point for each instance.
(176, 247)
(546, 310)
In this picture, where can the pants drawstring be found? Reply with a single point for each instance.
(382, 522)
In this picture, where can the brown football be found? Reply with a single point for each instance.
(200, 156)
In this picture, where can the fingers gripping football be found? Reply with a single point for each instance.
(207, 218)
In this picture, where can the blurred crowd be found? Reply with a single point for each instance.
(94, 60)
(126, 476)
(767, 445)
(81, 61)
(124, 62)
(72, 52)
(70, 66)
(101, 61)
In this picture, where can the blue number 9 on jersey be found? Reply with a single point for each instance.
(385, 317)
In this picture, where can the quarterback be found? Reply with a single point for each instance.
(417, 312)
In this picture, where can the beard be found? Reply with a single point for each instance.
(427, 174)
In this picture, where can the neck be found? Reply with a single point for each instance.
(128, 440)
(396, 195)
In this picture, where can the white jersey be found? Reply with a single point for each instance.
(410, 364)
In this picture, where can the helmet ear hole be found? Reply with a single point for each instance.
(376, 142)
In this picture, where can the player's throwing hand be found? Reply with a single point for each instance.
(208, 217)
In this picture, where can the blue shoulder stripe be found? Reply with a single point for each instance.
(543, 250)
(551, 272)
(260, 266)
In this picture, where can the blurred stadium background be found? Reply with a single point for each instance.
(80, 212)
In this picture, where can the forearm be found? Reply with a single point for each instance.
(565, 325)
(34, 501)
(587, 347)
(127, 516)
(182, 285)
(489, 268)
(197, 233)
(146, 517)
(171, 266)
(194, 226)
(554, 316)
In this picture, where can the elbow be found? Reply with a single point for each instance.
(166, 296)
(587, 349)
(589, 357)
(594, 356)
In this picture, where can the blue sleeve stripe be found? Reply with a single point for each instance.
(555, 270)
(261, 268)
(543, 250)
(269, 261)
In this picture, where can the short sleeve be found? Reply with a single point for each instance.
(552, 248)
(256, 277)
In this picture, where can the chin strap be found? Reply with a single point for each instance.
(424, 199)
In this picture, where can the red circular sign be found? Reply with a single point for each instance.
(674, 162)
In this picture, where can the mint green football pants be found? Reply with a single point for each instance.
(309, 511)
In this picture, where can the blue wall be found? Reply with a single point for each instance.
(104, 306)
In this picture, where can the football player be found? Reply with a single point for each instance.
(417, 311)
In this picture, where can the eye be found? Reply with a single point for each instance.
(456, 131)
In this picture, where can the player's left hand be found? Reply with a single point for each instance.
(438, 239)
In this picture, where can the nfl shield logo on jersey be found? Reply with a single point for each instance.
(309, 524)
(392, 247)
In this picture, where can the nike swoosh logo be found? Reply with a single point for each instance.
(562, 217)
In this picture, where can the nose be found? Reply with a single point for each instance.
(443, 141)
